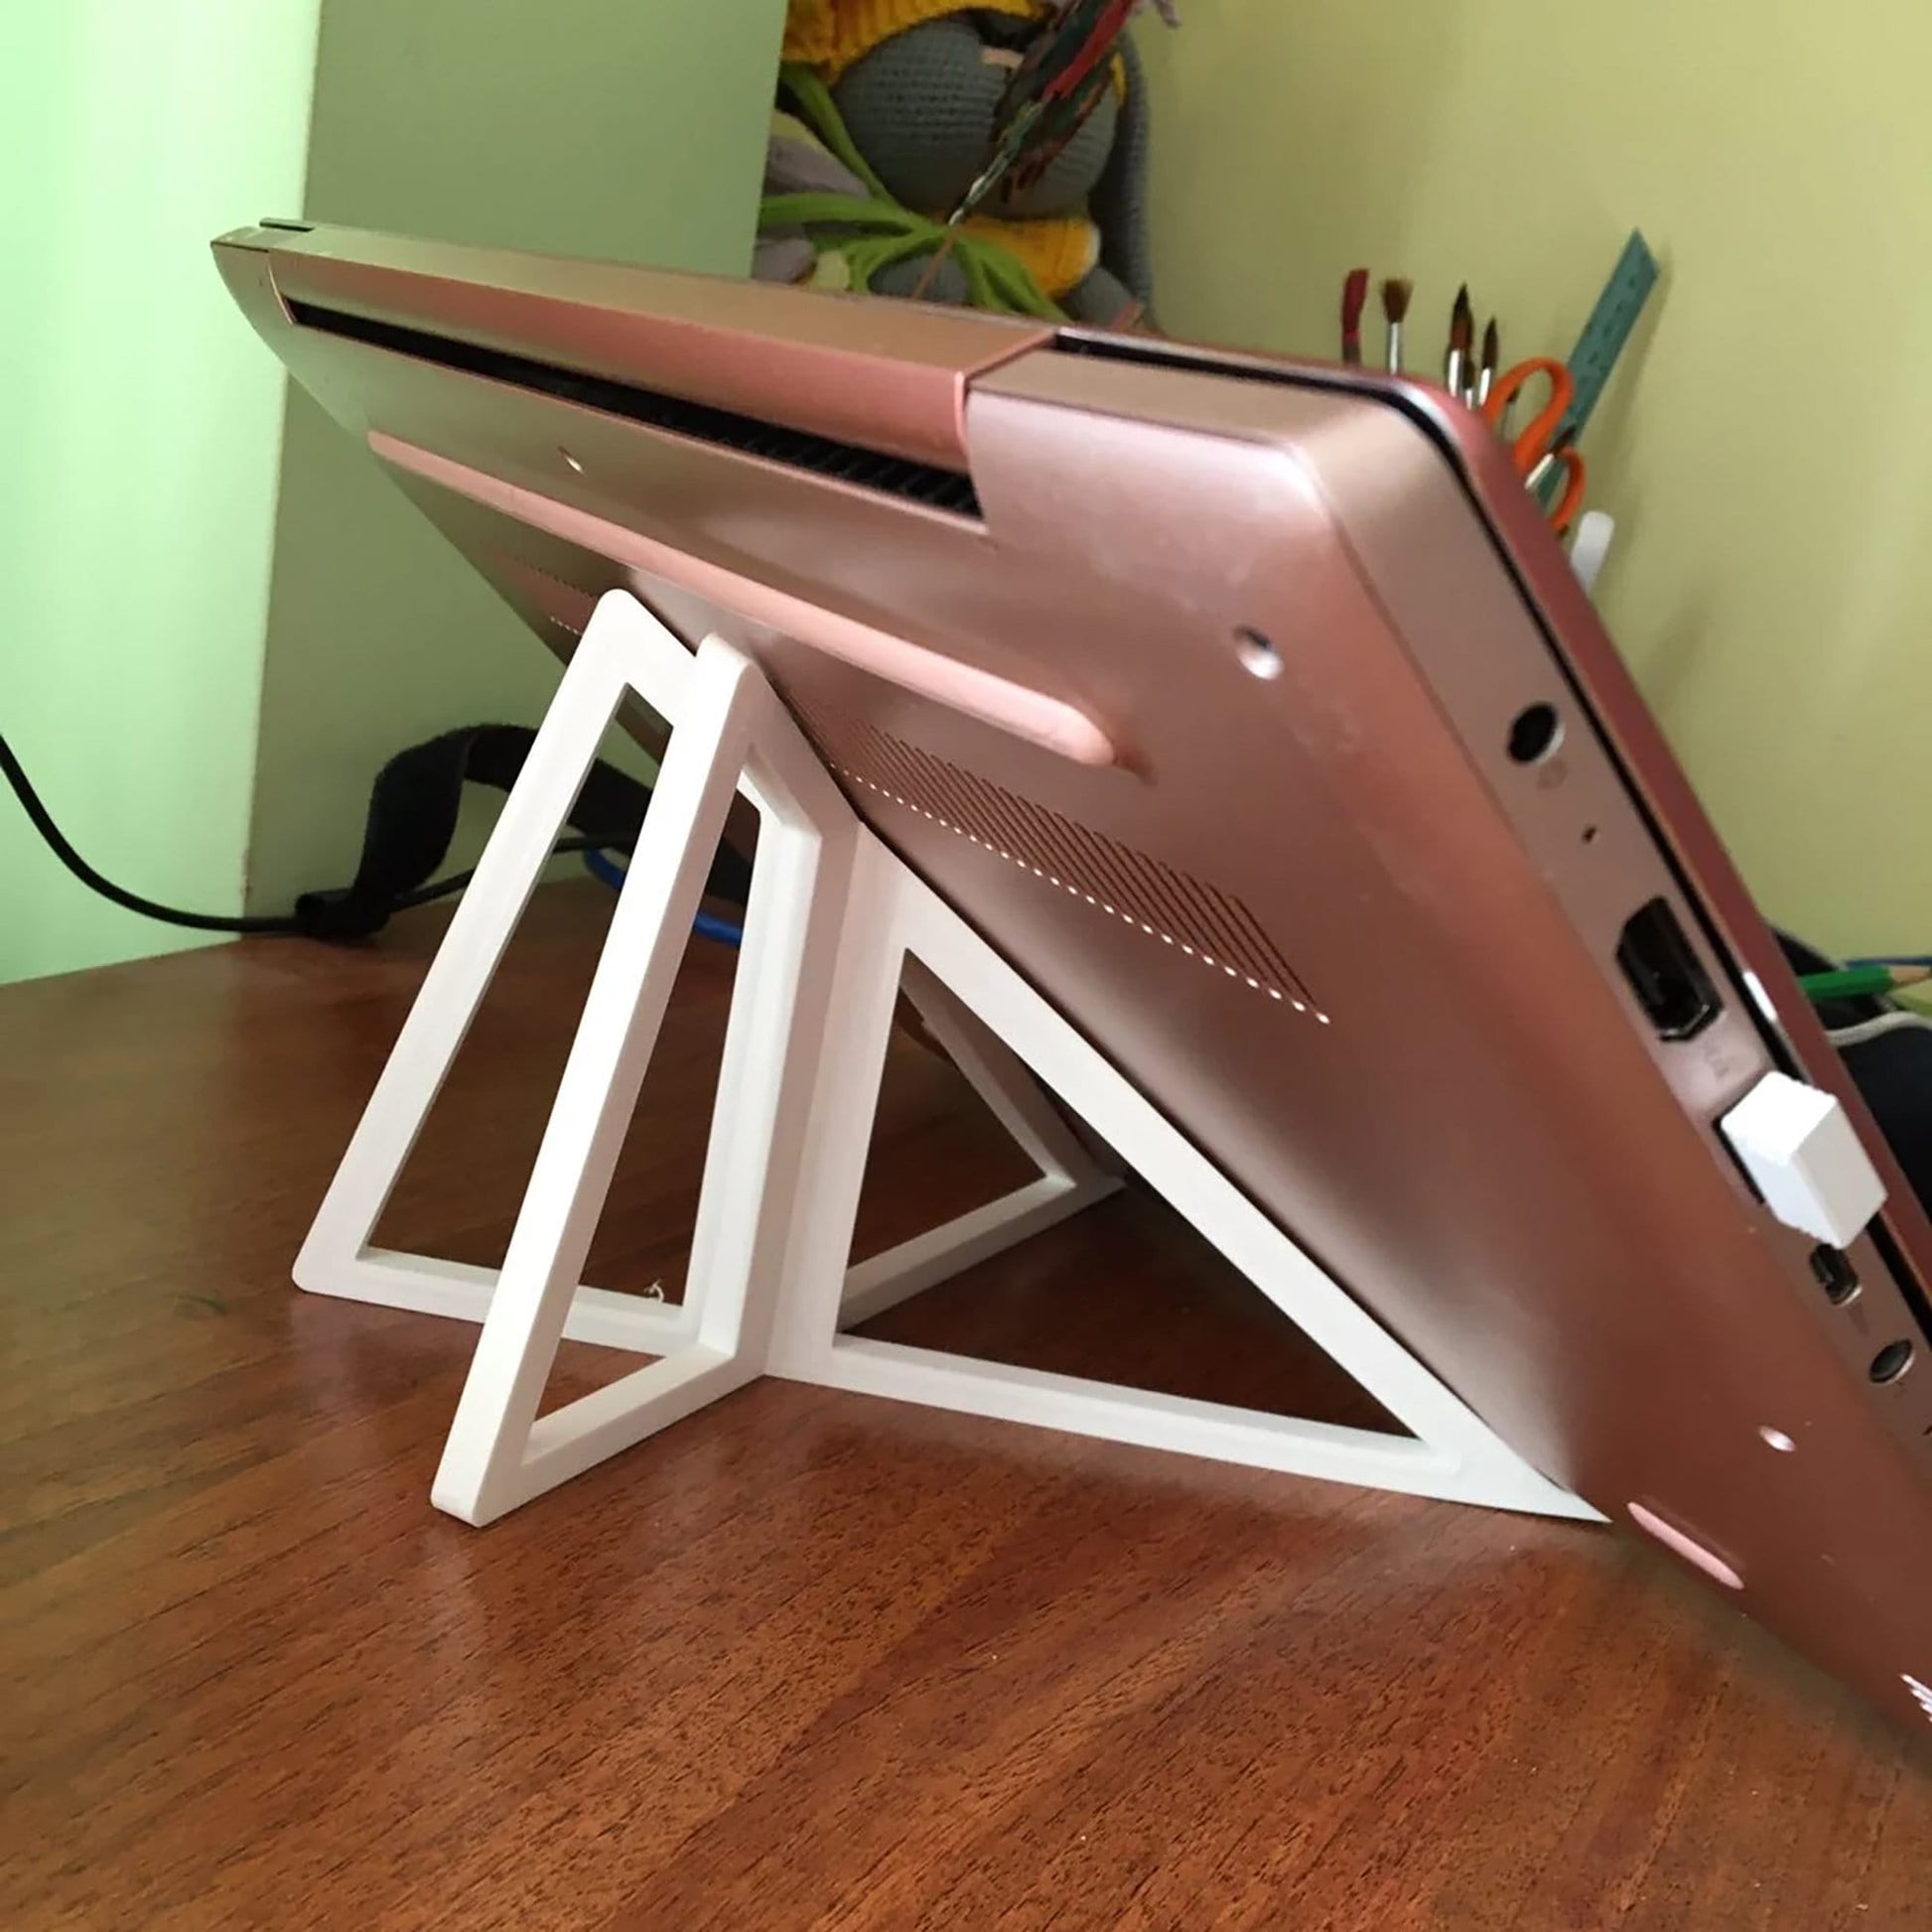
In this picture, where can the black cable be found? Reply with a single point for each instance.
(279, 923)
(443, 887)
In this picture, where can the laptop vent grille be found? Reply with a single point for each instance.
(1201, 922)
(695, 422)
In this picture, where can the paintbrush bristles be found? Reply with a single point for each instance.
(1354, 299)
(1396, 294)
(1492, 353)
(1463, 335)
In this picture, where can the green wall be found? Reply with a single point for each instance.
(633, 132)
(142, 440)
(1770, 463)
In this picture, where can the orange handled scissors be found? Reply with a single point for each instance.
(1540, 444)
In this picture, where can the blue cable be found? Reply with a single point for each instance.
(706, 928)
(604, 869)
(601, 866)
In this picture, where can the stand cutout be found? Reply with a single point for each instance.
(834, 922)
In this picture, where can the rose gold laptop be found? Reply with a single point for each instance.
(1333, 820)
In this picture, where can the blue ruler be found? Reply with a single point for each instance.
(1608, 329)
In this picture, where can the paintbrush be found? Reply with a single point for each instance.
(1492, 356)
(1538, 476)
(1462, 338)
(1060, 80)
(1354, 299)
(1396, 292)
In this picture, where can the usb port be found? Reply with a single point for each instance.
(1836, 1276)
(1663, 972)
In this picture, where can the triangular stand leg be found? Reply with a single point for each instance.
(335, 1258)
(729, 730)
(893, 918)
(834, 923)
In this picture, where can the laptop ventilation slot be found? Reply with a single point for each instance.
(696, 421)
(1202, 922)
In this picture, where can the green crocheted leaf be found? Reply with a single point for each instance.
(819, 209)
(873, 234)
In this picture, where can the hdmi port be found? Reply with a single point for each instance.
(1663, 972)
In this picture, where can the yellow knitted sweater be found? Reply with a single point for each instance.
(830, 35)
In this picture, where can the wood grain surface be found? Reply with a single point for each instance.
(806, 1660)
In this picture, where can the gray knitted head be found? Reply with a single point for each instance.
(921, 108)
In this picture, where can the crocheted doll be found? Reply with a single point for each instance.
(886, 115)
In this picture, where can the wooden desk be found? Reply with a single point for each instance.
(805, 1660)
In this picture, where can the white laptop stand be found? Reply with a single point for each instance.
(834, 923)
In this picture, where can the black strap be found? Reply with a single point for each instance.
(412, 818)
